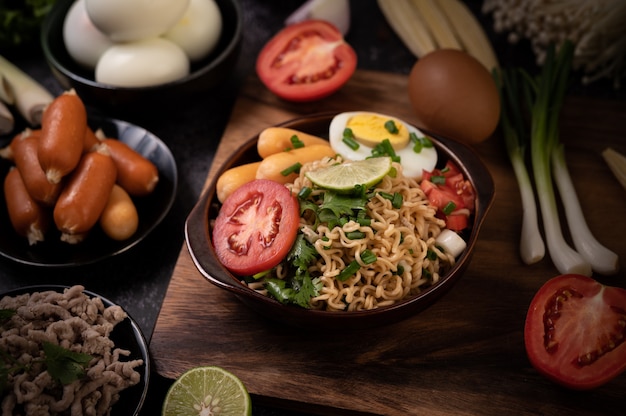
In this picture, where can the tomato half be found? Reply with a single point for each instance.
(575, 331)
(306, 61)
(256, 227)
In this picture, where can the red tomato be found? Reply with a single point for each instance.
(575, 332)
(455, 189)
(256, 227)
(306, 61)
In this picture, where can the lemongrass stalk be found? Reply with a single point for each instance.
(532, 248)
(551, 88)
(6, 95)
(602, 259)
(31, 98)
(7, 121)
(617, 164)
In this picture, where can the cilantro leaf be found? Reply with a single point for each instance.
(302, 253)
(64, 365)
(6, 314)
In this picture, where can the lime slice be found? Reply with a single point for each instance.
(207, 391)
(345, 176)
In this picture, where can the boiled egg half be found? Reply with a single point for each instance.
(358, 135)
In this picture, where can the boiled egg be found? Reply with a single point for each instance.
(198, 31)
(142, 63)
(368, 129)
(83, 41)
(131, 20)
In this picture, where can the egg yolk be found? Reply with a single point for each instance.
(372, 129)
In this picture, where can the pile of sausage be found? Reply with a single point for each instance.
(68, 175)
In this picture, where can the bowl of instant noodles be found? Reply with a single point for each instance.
(361, 257)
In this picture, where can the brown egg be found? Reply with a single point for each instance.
(452, 94)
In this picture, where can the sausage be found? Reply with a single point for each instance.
(272, 166)
(62, 135)
(135, 173)
(120, 219)
(24, 149)
(278, 139)
(28, 218)
(233, 178)
(85, 195)
(90, 140)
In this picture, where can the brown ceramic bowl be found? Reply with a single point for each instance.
(205, 74)
(198, 237)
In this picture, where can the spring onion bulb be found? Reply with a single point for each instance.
(451, 242)
(602, 259)
(29, 97)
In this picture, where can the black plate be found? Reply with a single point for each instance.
(97, 246)
(126, 335)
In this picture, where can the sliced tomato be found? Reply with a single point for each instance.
(306, 61)
(575, 331)
(256, 227)
(457, 221)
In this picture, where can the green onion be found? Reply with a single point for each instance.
(438, 179)
(295, 168)
(350, 270)
(350, 142)
(420, 143)
(449, 208)
(395, 198)
(368, 257)
(391, 127)
(355, 235)
(304, 192)
(296, 142)
(532, 247)
(431, 255)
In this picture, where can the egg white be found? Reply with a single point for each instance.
(413, 164)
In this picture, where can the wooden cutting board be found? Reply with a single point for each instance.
(465, 354)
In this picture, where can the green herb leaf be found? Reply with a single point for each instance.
(64, 365)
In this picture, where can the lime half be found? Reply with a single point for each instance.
(207, 391)
(345, 176)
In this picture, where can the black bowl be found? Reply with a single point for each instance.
(198, 237)
(204, 75)
(152, 208)
(126, 335)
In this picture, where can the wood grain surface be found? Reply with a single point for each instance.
(462, 356)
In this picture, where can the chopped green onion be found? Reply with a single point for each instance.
(304, 192)
(431, 255)
(296, 142)
(368, 257)
(420, 143)
(295, 168)
(350, 270)
(399, 270)
(350, 142)
(391, 127)
(397, 200)
(438, 179)
(355, 235)
(449, 208)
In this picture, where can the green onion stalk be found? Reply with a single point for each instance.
(550, 92)
(510, 85)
